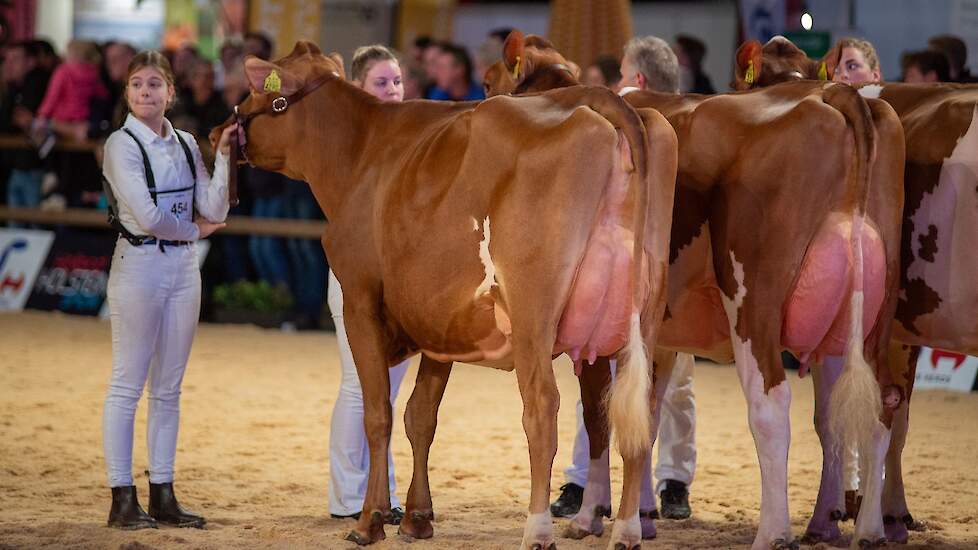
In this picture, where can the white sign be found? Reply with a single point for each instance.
(762, 19)
(943, 370)
(22, 254)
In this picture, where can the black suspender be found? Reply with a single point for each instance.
(113, 208)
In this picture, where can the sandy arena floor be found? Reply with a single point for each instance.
(253, 450)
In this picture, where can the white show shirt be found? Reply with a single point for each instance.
(123, 169)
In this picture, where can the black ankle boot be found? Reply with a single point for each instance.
(126, 513)
(164, 507)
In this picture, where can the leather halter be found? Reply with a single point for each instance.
(277, 106)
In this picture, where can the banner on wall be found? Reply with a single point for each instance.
(762, 19)
(285, 22)
(942, 370)
(75, 275)
(22, 253)
(138, 23)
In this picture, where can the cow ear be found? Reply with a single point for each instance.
(514, 54)
(335, 57)
(267, 77)
(748, 64)
(830, 61)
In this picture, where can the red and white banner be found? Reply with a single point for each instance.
(22, 253)
(942, 370)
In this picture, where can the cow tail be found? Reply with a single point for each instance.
(855, 406)
(629, 402)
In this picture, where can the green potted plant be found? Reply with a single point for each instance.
(256, 303)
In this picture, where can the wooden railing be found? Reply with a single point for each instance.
(237, 225)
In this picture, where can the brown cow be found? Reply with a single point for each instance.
(761, 240)
(938, 295)
(501, 233)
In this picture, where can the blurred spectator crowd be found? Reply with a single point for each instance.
(76, 100)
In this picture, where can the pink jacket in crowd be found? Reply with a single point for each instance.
(73, 86)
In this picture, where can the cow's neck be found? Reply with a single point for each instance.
(336, 131)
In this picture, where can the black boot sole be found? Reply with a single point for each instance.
(134, 527)
(196, 524)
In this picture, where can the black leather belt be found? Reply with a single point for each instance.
(164, 242)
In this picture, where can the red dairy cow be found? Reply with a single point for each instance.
(786, 220)
(501, 233)
(938, 299)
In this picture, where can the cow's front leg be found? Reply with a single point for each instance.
(594, 380)
(367, 342)
(767, 414)
(538, 388)
(829, 506)
(896, 517)
(420, 421)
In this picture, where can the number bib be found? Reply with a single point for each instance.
(178, 202)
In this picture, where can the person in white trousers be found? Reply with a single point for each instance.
(374, 69)
(162, 202)
(676, 444)
(648, 64)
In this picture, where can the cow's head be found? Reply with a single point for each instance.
(779, 61)
(529, 64)
(268, 117)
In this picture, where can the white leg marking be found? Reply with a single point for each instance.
(539, 530)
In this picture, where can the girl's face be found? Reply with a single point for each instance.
(383, 81)
(148, 93)
(853, 68)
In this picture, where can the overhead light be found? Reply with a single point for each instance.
(806, 21)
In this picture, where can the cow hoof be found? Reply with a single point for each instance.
(837, 515)
(878, 543)
(417, 525)
(783, 544)
(576, 532)
(623, 546)
(811, 538)
(538, 546)
(359, 539)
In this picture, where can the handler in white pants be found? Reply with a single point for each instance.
(676, 441)
(349, 456)
(164, 202)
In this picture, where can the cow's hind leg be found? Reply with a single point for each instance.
(538, 388)
(420, 421)
(367, 342)
(767, 414)
(896, 516)
(829, 506)
(595, 380)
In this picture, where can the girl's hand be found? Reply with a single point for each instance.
(224, 144)
(206, 228)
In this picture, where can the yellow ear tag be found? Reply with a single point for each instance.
(749, 73)
(823, 72)
(516, 68)
(272, 82)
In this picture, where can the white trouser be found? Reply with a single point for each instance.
(154, 303)
(349, 455)
(676, 440)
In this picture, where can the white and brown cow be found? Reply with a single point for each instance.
(501, 233)
(786, 219)
(938, 301)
